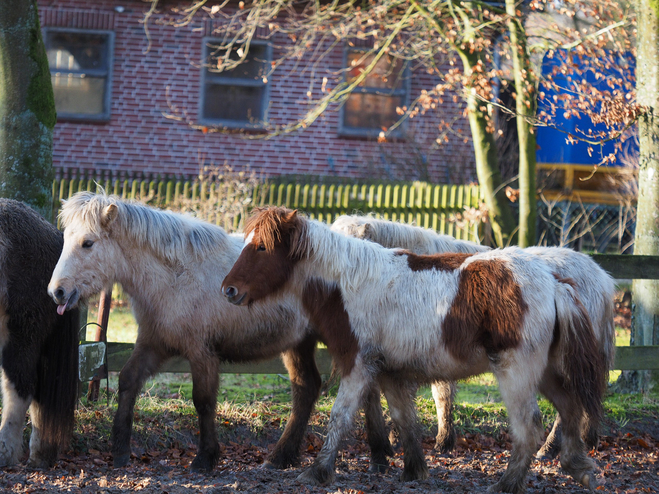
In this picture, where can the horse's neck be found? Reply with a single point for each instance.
(344, 260)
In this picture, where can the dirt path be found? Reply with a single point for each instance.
(628, 464)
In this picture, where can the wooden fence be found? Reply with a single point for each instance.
(627, 358)
(430, 206)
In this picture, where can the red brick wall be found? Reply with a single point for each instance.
(139, 138)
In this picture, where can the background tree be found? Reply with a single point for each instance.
(459, 43)
(645, 327)
(27, 108)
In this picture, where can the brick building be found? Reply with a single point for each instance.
(118, 88)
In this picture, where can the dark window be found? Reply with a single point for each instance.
(237, 97)
(372, 106)
(80, 66)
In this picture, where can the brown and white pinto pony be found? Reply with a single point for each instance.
(594, 287)
(411, 318)
(172, 267)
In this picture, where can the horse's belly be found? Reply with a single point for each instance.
(422, 355)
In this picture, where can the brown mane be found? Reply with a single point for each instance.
(275, 224)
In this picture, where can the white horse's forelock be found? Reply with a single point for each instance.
(168, 234)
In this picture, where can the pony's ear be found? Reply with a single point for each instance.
(291, 216)
(364, 231)
(109, 215)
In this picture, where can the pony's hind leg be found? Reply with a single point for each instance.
(443, 392)
(142, 364)
(14, 408)
(42, 453)
(305, 388)
(552, 445)
(400, 396)
(376, 431)
(205, 383)
(352, 392)
(574, 459)
(519, 395)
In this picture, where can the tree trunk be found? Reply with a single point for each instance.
(645, 330)
(525, 107)
(487, 165)
(27, 108)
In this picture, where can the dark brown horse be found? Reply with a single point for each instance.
(39, 347)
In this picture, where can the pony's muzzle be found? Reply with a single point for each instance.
(64, 300)
(58, 294)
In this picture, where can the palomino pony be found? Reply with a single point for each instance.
(594, 287)
(412, 318)
(172, 267)
(39, 347)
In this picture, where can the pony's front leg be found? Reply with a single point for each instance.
(13, 420)
(352, 392)
(443, 393)
(305, 388)
(142, 364)
(400, 396)
(205, 382)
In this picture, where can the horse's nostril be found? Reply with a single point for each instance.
(231, 291)
(59, 293)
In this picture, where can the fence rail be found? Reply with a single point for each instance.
(627, 357)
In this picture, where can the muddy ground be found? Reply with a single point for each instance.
(628, 461)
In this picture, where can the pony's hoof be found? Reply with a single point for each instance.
(589, 482)
(378, 468)
(119, 461)
(202, 465)
(445, 443)
(316, 476)
(548, 452)
(280, 461)
(38, 464)
(411, 474)
(505, 486)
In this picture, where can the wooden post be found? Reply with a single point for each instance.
(104, 304)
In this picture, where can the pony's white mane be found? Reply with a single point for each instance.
(392, 234)
(168, 234)
(345, 259)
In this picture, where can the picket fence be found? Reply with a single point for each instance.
(430, 206)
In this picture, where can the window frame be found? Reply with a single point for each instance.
(404, 90)
(107, 73)
(220, 80)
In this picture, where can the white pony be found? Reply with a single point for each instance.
(411, 318)
(594, 286)
(172, 267)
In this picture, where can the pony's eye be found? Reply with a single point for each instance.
(261, 247)
(87, 244)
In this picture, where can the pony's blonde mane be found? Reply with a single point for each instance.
(392, 234)
(168, 234)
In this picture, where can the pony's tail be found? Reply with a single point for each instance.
(57, 385)
(582, 363)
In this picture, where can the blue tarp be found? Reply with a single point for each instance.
(553, 147)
